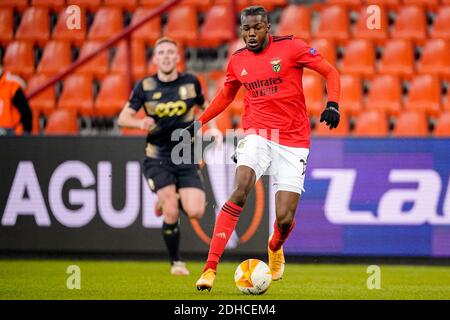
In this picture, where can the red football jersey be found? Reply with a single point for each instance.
(273, 88)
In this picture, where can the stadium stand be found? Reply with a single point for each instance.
(6, 27)
(371, 124)
(403, 66)
(411, 124)
(56, 56)
(398, 58)
(62, 122)
(442, 128)
(77, 95)
(34, 26)
(385, 95)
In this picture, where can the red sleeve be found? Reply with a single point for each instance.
(332, 78)
(304, 55)
(225, 96)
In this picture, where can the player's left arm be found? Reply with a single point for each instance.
(331, 114)
(308, 57)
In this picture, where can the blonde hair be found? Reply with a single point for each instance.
(166, 39)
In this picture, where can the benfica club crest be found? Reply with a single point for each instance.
(276, 65)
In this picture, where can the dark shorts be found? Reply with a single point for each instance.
(162, 173)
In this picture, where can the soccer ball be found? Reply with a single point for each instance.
(253, 276)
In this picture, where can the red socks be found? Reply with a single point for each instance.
(225, 224)
(279, 237)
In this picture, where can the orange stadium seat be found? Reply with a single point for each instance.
(326, 48)
(218, 28)
(98, 66)
(447, 103)
(361, 30)
(202, 5)
(295, 20)
(359, 58)
(182, 25)
(313, 89)
(77, 95)
(424, 94)
(410, 23)
(62, 122)
(441, 25)
(51, 4)
(92, 5)
(333, 23)
(138, 63)
(6, 27)
(411, 124)
(385, 94)
(442, 127)
(151, 3)
(150, 31)
(322, 130)
(371, 123)
(107, 23)
(269, 5)
(436, 58)
(390, 4)
(19, 58)
(398, 58)
(112, 96)
(240, 4)
(44, 102)
(135, 132)
(19, 5)
(75, 36)
(430, 4)
(34, 26)
(348, 3)
(55, 58)
(129, 5)
(351, 94)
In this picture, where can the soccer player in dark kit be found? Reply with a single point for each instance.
(276, 126)
(168, 98)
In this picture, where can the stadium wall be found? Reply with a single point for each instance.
(377, 197)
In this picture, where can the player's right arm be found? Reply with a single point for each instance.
(224, 98)
(127, 117)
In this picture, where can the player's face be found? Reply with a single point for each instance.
(166, 57)
(254, 31)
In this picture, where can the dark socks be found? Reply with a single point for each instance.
(171, 235)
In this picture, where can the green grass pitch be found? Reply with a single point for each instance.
(46, 279)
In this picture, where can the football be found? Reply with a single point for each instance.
(253, 276)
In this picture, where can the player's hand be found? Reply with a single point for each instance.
(331, 115)
(191, 130)
(147, 124)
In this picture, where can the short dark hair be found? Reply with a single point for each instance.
(255, 11)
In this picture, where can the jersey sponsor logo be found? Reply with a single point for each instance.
(261, 88)
(171, 109)
(221, 235)
(244, 72)
(276, 65)
(313, 51)
(157, 95)
(187, 91)
(148, 84)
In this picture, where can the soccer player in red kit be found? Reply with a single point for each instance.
(276, 126)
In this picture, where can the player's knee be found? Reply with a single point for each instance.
(195, 212)
(285, 220)
(240, 194)
(170, 213)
